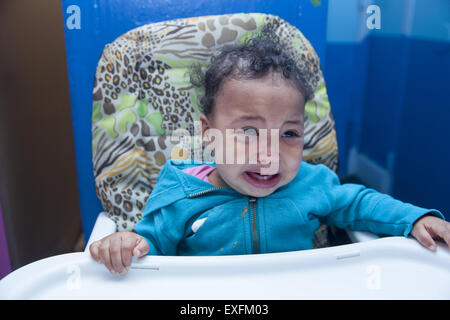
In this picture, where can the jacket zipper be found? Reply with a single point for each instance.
(252, 200)
(201, 193)
(254, 229)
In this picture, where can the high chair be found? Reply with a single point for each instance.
(142, 94)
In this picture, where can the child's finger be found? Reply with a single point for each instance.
(446, 236)
(93, 249)
(127, 250)
(443, 231)
(141, 248)
(424, 237)
(115, 253)
(104, 255)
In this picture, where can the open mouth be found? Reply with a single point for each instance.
(261, 181)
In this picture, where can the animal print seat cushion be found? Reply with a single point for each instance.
(142, 94)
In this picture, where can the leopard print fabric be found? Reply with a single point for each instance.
(142, 94)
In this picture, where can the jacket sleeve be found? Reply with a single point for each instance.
(164, 228)
(147, 229)
(360, 208)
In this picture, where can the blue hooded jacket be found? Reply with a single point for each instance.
(185, 215)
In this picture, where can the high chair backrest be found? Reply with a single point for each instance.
(141, 93)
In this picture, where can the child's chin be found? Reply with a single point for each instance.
(260, 192)
(260, 195)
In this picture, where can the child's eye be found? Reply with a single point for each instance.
(291, 134)
(250, 131)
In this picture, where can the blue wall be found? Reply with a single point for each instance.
(389, 92)
(345, 71)
(423, 143)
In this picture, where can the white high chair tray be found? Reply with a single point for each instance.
(386, 268)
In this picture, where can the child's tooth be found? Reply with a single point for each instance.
(260, 176)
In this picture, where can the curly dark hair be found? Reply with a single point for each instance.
(253, 59)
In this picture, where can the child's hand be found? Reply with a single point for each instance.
(116, 250)
(428, 228)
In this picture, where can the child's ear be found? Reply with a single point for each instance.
(205, 124)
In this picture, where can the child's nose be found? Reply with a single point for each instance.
(264, 153)
(264, 160)
(269, 164)
(268, 154)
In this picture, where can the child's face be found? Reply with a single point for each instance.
(268, 103)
